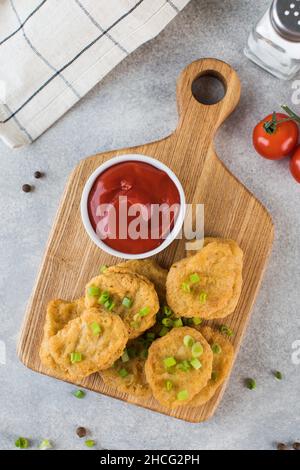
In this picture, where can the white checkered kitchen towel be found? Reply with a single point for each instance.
(52, 52)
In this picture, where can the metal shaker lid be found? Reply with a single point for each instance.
(285, 17)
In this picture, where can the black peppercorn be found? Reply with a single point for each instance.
(26, 188)
(81, 432)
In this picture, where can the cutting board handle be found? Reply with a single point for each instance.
(195, 116)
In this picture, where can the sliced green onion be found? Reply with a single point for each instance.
(182, 395)
(163, 331)
(104, 297)
(103, 268)
(188, 341)
(123, 373)
(203, 297)
(278, 375)
(186, 287)
(169, 362)
(197, 349)
(93, 291)
(194, 278)
(184, 366)
(144, 311)
(216, 348)
(167, 322)
(150, 336)
(79, 394)
(177, 323)
(144, 354)
(45, 444)
(214, 376)
(251, 384)
(125, 356)
(90, 443)
(167, 311)
(109, 304)
(226, 330)
(131, 352)
(96, 328)
(22, 443)
(195, 363)
(169, 385)
(197, 321)
(75, 357)
(127, 302)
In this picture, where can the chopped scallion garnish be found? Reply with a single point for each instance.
(127, 302)
(197, 321)
(251, 384)
(125, 356)
(203, 297)
(104, 297)
(103, 268)
(79, 394)
(195, 363)
(93, 291)
(167, 311)
(194, 278)
(169, 385)
(169, 362)
(144, 312)
(197, 349)
(167, 322)
(226, 330)
(188, 341)
(75, 357)
(186, 287)
(123, 373)
(22, 443)
(177, 323)
(45, 444)
(90, 443)
(96, 328)
(163, 331)
(216, 348)
(182, 395)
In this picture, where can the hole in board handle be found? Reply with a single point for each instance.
(209, 88)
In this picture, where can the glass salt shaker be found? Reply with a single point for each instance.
(274, 43)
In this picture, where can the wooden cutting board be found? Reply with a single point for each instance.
(231, 211)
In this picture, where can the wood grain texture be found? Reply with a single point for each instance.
(231, 211)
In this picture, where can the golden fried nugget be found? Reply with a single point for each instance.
(207, 284)
(59, 313)
(179, 365)
(89, 343)
(223, 355)
(149, 269)
(128, 373)
(237, 287)
(127, 294)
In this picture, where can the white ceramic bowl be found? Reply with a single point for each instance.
(84, 206)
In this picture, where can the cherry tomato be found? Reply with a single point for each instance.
(295, 165)
(277, 144)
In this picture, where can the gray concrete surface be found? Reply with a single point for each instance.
(135, 104)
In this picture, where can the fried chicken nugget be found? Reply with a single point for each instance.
(148, 268)
(128, 373)
(237, 287)
(127, 294)
(207, 284)
(223, 355)
(179, 365)
(59, 313)
(89, 343)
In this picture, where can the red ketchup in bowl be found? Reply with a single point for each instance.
(126, 194)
